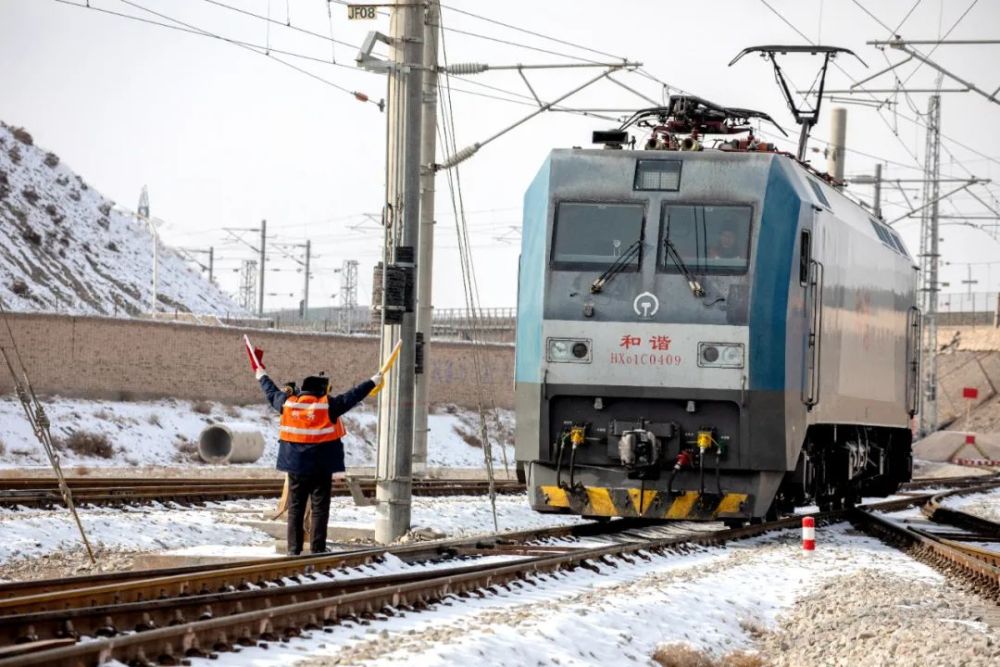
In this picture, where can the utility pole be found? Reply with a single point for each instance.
(393, 484)
(143, 211)
(348, 294)
(838, 136)
(877, 197)
(929, 256)
(261, 268)
(211, 264)
(248, 281)
(969, 281)
(425, 246)
(305, 288)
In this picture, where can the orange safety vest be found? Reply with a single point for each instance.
(306, 420)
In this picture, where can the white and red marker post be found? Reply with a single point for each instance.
(808, 534)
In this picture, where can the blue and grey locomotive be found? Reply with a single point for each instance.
(707, 333)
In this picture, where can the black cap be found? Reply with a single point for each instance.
(317, 385)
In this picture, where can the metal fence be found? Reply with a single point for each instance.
(969, 308)
(488, 325)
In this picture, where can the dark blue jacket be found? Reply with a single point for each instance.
(323, 458)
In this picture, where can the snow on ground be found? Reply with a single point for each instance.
(716, 600)
(164, 432)
(457, 515)
(219, 529)
(27, 534)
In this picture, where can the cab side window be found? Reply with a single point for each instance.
(805, 256)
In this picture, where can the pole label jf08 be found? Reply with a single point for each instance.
(361, 12)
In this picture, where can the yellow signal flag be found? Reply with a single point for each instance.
(386, 367)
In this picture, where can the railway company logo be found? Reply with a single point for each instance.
(646, 305)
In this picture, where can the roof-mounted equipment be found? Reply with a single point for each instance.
(688, 115)
(805, 116)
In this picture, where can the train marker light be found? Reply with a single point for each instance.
(808, 534)
(720, 355)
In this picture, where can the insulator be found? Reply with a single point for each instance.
(460, 156)
(466, 68)
(395, 293)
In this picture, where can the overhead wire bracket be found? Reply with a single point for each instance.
(365, 60)
(469, 151)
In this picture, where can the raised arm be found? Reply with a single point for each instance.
(344, 402)
(275, 397)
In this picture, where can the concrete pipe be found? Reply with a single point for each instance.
(230, 443)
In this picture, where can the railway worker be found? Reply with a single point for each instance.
(310, 449)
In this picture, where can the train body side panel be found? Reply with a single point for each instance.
(528, 368)
(868, 290)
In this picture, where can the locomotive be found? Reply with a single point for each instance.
(708, 332)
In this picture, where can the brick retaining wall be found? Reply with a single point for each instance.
(127, 359)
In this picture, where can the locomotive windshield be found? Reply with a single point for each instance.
(709, 239)
(595, 235)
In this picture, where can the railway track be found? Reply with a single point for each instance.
(44, 492)
(163, 616)
(955, 542)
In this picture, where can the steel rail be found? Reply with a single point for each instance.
(961, 481)
(145, 585)
(112, 620)
(208, 636)
(978, 566)
(934, 511)
(11, 482)
(113, 492)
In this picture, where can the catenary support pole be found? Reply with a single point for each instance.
(156, 264)
(143, 212)
(262, 270)
(877, 197)
(425, 246)
(929, 256)
(838, 135)
(305, 287)
(395, 434)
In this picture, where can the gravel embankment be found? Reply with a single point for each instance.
(873, 618)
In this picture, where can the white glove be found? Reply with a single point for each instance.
(260, 372)
(377, 378)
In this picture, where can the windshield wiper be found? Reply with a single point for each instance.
(675, 257)
(616, 267)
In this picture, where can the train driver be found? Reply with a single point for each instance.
(726, 245)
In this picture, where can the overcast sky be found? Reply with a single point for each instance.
(225, 137)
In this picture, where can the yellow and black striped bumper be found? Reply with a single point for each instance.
(648, 503)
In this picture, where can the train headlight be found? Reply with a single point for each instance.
(720, 355)
(572, 350)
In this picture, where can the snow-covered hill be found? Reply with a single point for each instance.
(64, 248)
